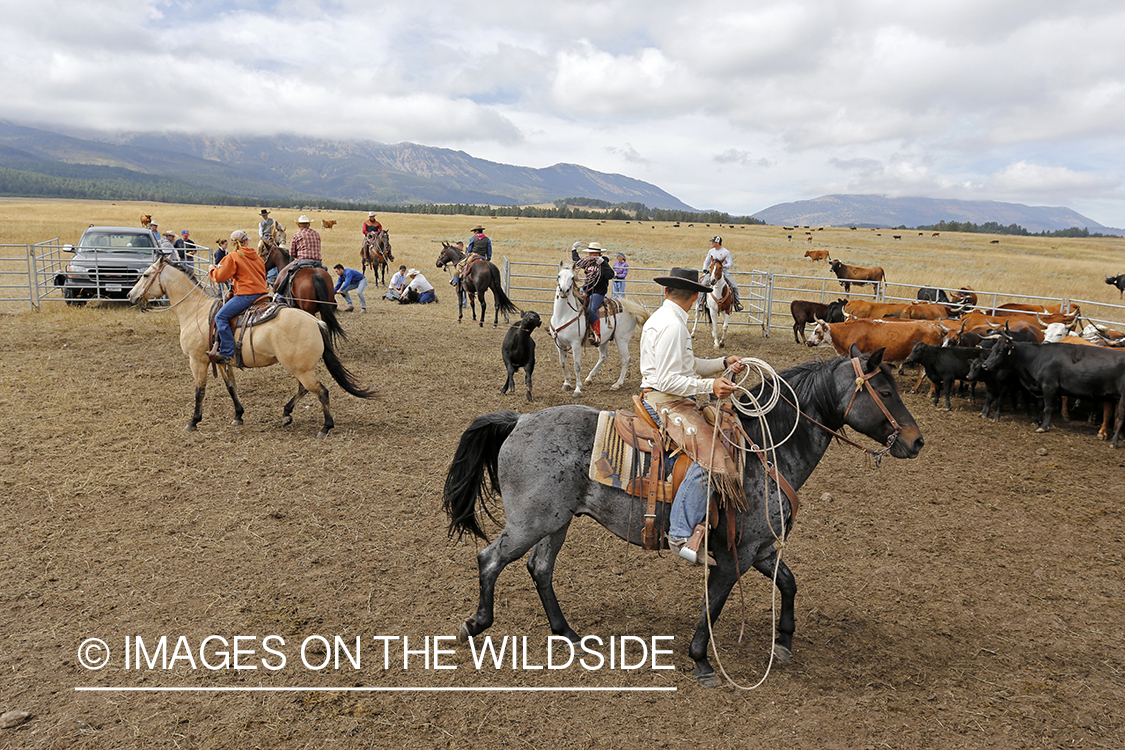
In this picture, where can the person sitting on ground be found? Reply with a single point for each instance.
(670, 374)
(418, 290)
(350, 279)
(598, 275)
(397, 285)
(247, 272)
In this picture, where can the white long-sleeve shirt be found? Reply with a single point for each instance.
(720, 254)
(668, 363)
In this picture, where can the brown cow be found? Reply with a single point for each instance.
(146, 219)
(897, 336)
(965, 295)
(817, 254)
(864, 309)
(805, 312)
(857, 275)
(1019, 308)
(328, 223)
(984, 324)
(929, 311)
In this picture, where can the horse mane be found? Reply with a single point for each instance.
(815, 386)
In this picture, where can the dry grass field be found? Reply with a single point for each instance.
(969, 598)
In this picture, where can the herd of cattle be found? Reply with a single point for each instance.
(1033, 353)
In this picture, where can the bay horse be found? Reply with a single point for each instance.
(477, 278)
(376, 252)
(310, 289)
(569, 324)
(294, 339)
(538, 463)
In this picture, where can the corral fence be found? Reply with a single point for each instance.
(28, 274)
(766, 296)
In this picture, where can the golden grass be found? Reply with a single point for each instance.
(1035, 266)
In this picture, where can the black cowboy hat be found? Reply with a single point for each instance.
(682, 278)
(265, 212)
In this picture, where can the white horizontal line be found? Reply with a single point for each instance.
(373, 689)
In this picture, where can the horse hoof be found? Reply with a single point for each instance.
(236, 422)
(463, 634)
(322, 434)
(615, 387)
(781, 654)
(709, 680)
(1039, 429)
(191, 428)
(287, 421)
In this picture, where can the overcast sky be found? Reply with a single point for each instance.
(728, 105)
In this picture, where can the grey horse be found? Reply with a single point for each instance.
(538, 463)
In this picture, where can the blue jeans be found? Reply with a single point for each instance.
(426, 297)
(618, 288)
(689, 507)
(226, 314)
(271, 276)
(593, 303)
(358, 292)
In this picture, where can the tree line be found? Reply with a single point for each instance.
(992, 227)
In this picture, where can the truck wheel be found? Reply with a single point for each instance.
(71, 296)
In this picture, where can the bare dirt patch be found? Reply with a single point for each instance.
(969, 598)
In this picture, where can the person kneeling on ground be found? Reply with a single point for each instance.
(397, 285)
(418, 290)
(350, 279)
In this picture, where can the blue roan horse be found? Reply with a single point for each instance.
(539, 464)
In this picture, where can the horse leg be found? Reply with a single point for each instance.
(491, 561)
(786, 622)
(287, 413)
(719, 585)
(482, 308)
(623, 350)
(541, 566)
(199, 375)
(329, 423)
(723, 338)
(228, 378)
(603, 355)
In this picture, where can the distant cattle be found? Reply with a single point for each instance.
(146, 219)
(931, 294)
(897, 236)
(817, 254)
(935, 234)
(1117, 281)
(849, 275)
(805, 312)
(328, 223)
(994, 242)
(896, 336)
(808, 240)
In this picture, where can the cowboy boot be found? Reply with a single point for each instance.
(596, 332)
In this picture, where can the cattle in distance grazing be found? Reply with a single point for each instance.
(328, 223)
(805, 312)
(146, 219)
(935, 234)
(817, 255)
(857, 275)
(518, 351)
(1117, 281)
(897, 236)
(994, 242)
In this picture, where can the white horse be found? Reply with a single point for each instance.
(718, 300)
(569, 324)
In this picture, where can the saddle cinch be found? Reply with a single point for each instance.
(263, 309)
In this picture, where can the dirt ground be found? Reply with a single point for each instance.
(970, 598)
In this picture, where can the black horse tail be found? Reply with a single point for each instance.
(327, 299)
(503, 304)
(465, 484)
(342, 375)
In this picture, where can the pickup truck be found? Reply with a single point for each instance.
(107, 263)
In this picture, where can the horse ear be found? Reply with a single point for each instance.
(875, 359)
(853, 351)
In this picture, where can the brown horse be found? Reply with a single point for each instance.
(310, 289)
(476, 279)
(376, 252)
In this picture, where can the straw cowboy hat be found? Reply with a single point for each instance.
(682, 278)
(594, 247)
(304, 220)
(371, 214)
(412, 272)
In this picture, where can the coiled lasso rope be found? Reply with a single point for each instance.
(755, 410)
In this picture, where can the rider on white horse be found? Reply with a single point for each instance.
(721, 254)
(598, 275)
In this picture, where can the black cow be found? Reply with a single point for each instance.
(944, 365)
(930, 294)
(519, 351)
(1117, 281)
(1050, 370)
(998, 382)
(805, 312)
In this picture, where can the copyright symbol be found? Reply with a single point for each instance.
(93, 653)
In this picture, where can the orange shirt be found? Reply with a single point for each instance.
(247, 270)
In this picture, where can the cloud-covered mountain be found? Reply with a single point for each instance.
(881, 211)
(300, 167)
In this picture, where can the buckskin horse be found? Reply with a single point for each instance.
(310, 289)
(376, 252)
(476, 279)
(294, 339)
(538, 463)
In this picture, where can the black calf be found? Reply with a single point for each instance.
(944, 365)
(519, 351)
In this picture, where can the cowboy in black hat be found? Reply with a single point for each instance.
(670, 372)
